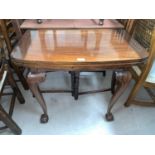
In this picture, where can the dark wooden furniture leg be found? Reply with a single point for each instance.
(76, 84)
(104, 73)
(121, 80)
(16, 25)
(72, 82)
(9, 122)
(101, 21)
(21, 77)
(33, 80)
(4, 32)
(15, 87)
(39, 21)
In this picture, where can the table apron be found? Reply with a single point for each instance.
(78, 67)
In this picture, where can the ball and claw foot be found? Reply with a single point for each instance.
(109, 117)
(126, 104)
(44, 118)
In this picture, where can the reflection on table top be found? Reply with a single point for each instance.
(70, 23)
(74, 46)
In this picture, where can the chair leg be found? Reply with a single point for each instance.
(101, 21)
(137, 101)
(9, 122)
(104, 73)
(151, 94)
(21, 77)
(72, 82)
(76, 88)
(12, 104)
(15, 88)
(133, 93)
(4, 32)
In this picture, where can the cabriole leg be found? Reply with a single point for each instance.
(33, 80)
(122, 78)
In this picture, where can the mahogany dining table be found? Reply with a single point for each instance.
(61, 24)
(78, 50)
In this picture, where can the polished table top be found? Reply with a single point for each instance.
(57, 48)
(70, 23)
